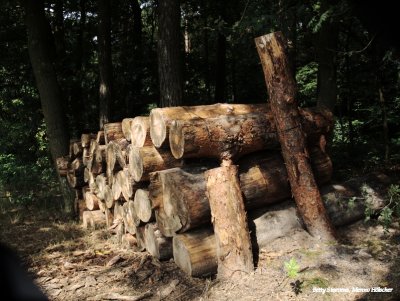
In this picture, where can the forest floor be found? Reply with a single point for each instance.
(69, 263)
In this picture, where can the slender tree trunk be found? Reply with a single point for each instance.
(206, 60)
(220, 80)
(40, 48)
(105, 62)
(385, 128)
(326, 44)
(138, 53)
(170, 62)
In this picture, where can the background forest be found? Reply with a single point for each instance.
(109, 63)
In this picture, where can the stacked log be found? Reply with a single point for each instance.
(145, 178)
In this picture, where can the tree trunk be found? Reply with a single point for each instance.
(105, 61)
(40, 52)
(282, 90)
(228, 216)
(220, 73)
(147, 159)
(327, 41)
(170, 62)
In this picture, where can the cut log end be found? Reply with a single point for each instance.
(176, 139)
(158, 128)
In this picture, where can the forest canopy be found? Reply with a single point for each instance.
(111, 60)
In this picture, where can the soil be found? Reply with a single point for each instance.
(69, 263)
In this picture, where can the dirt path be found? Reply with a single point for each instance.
(69, 263)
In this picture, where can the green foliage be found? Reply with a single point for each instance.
(387, 213)
(292, 268)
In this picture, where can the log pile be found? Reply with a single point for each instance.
(145, 178)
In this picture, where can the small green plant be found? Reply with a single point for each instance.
(292, 268)
(385, 215)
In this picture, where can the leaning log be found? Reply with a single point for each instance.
(157, 244)
(229, 220)
(282, 91)
(147, 159)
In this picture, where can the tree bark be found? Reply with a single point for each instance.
(105, 61)
(40, 48)
(161, 118)
(230, 137)
(178, 195)
(282, 90)
(327, 41)
(228, 216)
(170, 61)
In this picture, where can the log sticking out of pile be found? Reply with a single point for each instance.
(231, 137)
(179, 194)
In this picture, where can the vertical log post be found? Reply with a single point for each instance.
(282, 90)
(234, 251)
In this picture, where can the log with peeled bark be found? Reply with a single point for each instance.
(195, 253)
(128, 220)
(230, 137)
(112, 131)
(282, 91)
(126, 128)
(116, 155)
(92, 201)
(157, 244)
(232, 237)
(179, 194)
(147, 159)
(93, 219)
(62, 165)
(140, 131)
(143, 206)
(86, 138)
(161, 118)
